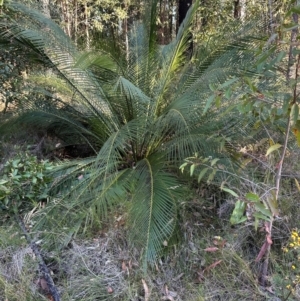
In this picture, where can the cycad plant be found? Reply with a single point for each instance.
(140, 116)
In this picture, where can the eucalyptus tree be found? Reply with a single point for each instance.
(139, 116)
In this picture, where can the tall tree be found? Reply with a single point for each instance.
(183, 7)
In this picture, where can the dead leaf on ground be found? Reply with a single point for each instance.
(50, 298)
(42, 283)
(270, 289)
(124, 266)
(211, 249)
(200, 277)
(178, 277)
(213, 265)
(146, 289)
(169, 295)
(166, 290)
(110, 290)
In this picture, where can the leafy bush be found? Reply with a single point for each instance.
(24, 183)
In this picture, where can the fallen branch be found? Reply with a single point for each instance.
(42, 265)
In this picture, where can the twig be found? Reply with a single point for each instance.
(43, 267)
(286, 298)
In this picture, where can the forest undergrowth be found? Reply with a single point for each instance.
(207, 258)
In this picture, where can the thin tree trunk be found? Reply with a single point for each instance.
(45, 8)
(183, 7)
(126, 39)
(294, 35)
(87, 34)
(243, 9)
(239, 9)
(236, 9)
(75, 21)
(270, 9)
(68, 19)
(171, 8)
(46, 12)
(62, 7)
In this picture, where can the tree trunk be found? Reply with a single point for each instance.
(126, 39)
(270, 10)
(237, 9)
(45, 8)
(87, 34)
(183, 7)
(68, 19)
(162, 28)
(75, 21)
(171, 16)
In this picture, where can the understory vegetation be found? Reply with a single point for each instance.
(142, 159)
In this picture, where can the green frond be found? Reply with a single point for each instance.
(152, 25)
(174, 55)
(216, 63)
(153, 213)
(142, 66)
(48, 83)
(133, 101)
(103, 61)
(58, 51)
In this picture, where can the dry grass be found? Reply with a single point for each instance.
(106, 268)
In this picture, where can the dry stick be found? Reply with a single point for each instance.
(290, 292)
(43, 267)
(278, 178)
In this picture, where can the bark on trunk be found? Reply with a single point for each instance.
(237, 9)
(45, 8)
(87, 34)
(75, 21)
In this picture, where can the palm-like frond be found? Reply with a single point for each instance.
(154, 199)
(141, 117)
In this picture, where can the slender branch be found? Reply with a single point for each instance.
(287, 295)
(265, 266)
(278, 175)
(43, 267)
(232, 174)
